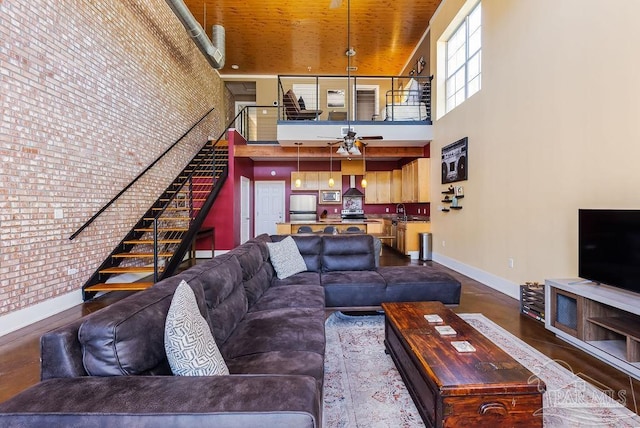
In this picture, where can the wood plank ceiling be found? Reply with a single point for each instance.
(270, 37)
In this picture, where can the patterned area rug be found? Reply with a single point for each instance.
(362, 387)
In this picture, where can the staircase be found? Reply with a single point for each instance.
(157, 245)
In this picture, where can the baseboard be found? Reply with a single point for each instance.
(509, 288)
(31, 314)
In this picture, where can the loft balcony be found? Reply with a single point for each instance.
(395, 112)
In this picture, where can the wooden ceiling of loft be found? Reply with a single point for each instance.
(272, 37)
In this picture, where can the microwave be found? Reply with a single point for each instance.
(330, 197)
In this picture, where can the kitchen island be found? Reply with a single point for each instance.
(372, 226)
(402, 235)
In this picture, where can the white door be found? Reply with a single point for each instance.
(367, 102)
(269, 202)
(245, 211)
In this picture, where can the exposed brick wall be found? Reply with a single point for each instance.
(91, 92)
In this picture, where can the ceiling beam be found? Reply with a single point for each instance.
(279, 152)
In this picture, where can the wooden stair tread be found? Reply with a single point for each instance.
(150, 241)
(162, 229)
(130, 269)
(168, 218)
(183, 201)
(175, 208)
(119, 286)
(136, 255)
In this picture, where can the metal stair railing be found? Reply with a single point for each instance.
(138, 177)
(204, 177)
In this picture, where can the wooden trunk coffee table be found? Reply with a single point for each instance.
(485, 387)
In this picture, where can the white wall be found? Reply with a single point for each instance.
(555, 127)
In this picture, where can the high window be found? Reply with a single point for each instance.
(463, 59)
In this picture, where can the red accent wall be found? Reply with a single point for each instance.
(225, 213)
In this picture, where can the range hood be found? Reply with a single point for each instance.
(352, 191)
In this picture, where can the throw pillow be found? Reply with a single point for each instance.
(286, 258)
(301, 103)
(190, 346)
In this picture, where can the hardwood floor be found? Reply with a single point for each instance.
(20, 365)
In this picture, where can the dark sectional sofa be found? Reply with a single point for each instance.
(109, 368)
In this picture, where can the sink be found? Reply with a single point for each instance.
(416, 218)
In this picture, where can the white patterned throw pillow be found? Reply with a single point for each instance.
(188, 342)
(286, 258)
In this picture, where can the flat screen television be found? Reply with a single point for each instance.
(609, 247)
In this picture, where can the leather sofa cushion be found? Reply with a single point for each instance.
(288, 329)
(256, 276)
(348, 253)
(127, 338)
(293, 296)
(310, 247)
(221, 280)
(302, 278)
(171, 401)
(353, 288)
(418, 283)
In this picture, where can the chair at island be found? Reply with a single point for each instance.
(354, 229)
(305, 229)
(330, 229)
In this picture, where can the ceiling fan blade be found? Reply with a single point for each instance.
(335, 4)
(372, 137)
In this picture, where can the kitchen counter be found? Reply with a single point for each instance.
(367, 225)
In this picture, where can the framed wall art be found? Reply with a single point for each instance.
(420, 65)
(455, 158)
(335, 98)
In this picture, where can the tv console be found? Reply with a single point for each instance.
(601, 320)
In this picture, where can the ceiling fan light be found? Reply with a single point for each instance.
(354, 150)
(342, 151)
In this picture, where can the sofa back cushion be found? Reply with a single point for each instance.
(310, 247)
(348, 252)
(256, 274)
(221, 280)
(127, 337)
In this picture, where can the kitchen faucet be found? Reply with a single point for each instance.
(404, 211)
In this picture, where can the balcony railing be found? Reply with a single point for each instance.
(365, 98)
(375, 100)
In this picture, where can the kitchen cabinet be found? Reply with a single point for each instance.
(375, 226)
(401, 233)
(378, 190)
(415, 181)
(309, 180)
(323, 180)
(407, 235)
(396, 186)
(283, 228)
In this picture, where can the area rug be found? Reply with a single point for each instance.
(362, 387)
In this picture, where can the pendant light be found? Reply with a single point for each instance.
(331, 181)
(364, 166)
(298, 181)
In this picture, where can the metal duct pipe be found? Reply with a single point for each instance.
(213, 54)
(218, 38)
